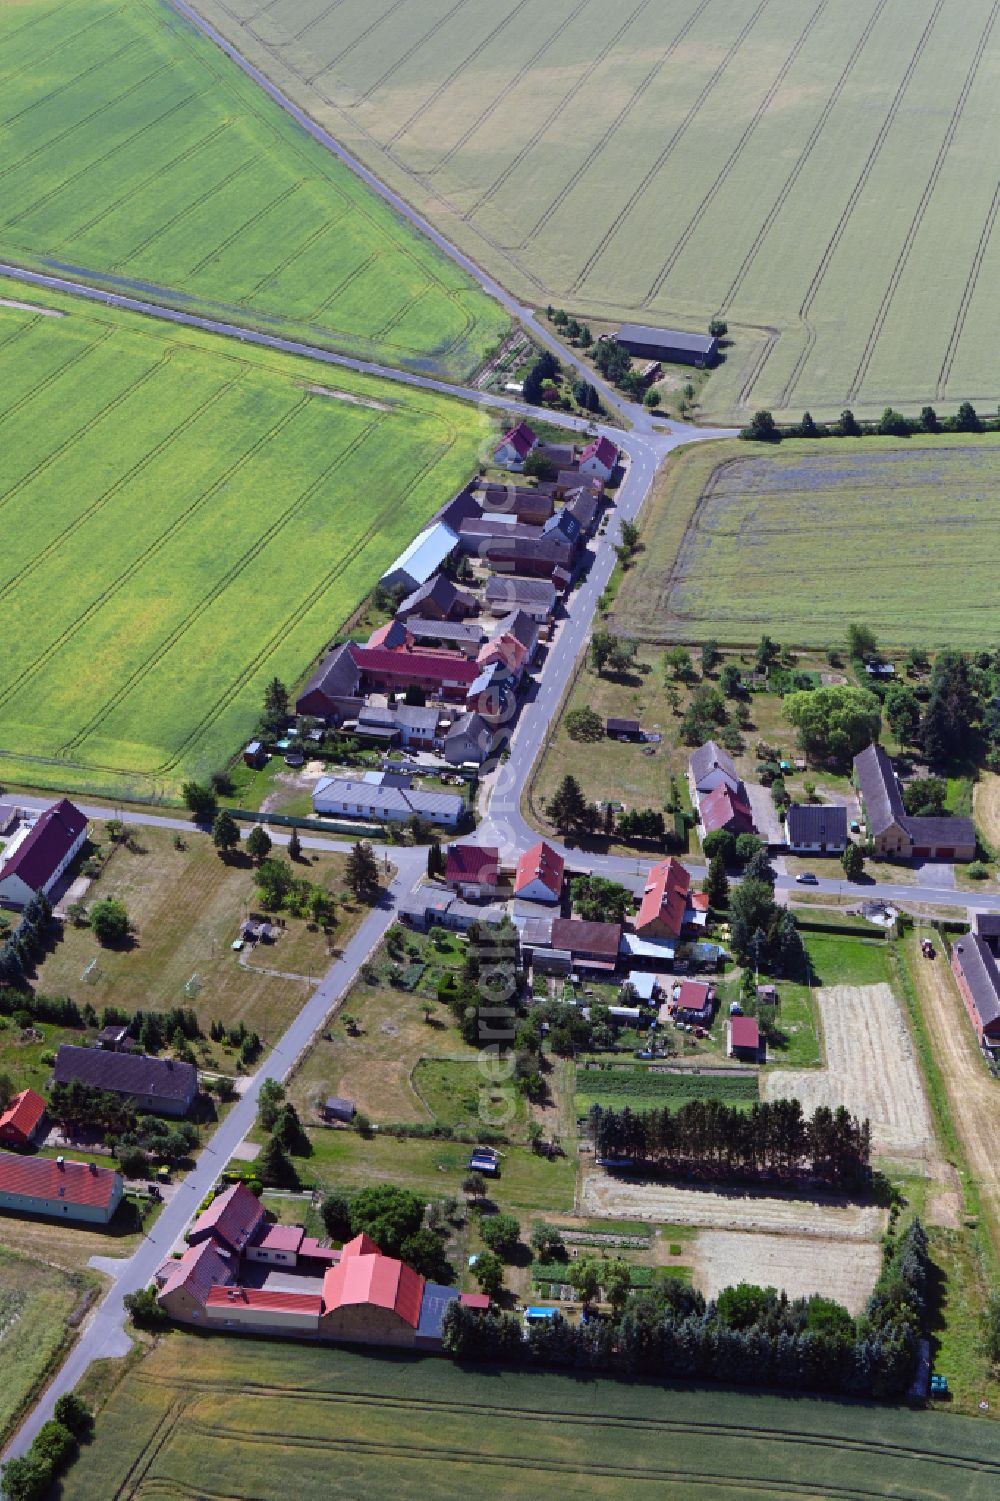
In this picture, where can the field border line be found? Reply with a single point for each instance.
(404, 57)
(968, 293)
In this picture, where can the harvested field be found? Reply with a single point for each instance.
(823, 176)
(871, 1068)
(729, 543)
(986, 807)
(137, 157)
(795, 1264)
(225, 1417)
(825, 1218)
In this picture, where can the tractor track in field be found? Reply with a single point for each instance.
(664, 156)
(918, 216)
(840, 229)
(968, 292)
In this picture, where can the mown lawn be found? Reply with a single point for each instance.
(183, 522)
(839, 960)
(186, 906)
(137, 155)
(367, 1424)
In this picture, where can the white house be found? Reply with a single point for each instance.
(599, 458)
(514, 447)
(539, 876)
(340, 797)
(41, 853)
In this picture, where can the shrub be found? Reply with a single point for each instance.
(109, 920)
(144, 1311)
(501, 1232)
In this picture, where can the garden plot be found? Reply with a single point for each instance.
(794, 1264)
(871, 1068)
(714, 1208)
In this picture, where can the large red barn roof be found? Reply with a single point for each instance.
(80, 1183)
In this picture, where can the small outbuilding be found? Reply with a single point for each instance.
(335, 1108)
(623, 729)
(744, 1040)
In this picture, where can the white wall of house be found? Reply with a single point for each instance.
(593, 466)
(537, 891)
(239, 1315)
(91, 1214)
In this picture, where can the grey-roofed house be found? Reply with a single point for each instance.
(343, 797)
(433, 906)
(816, 828)
(507, 591)
(165, 1086)
(710, 765)
(422, 559)
(332, 693)
(505, 545)
(671, 344)
(528, 505)
(409, 725)
(454, 633)
(523, 627)
(470, 739)
(978, 977)
(438, 599)
(895, 832)
(986, 925)
(584, 505)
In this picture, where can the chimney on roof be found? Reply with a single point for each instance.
(93, 1167)
(60, 1161)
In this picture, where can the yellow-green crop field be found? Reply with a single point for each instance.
(802, 539)
(232, 1418)
(183, 519)
(135, 155)
(821, 173)
(36, 1301)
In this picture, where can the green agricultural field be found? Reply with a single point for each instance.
(183, 519)
(822, 175)
(368, 1425)
(138, 157)
(36, 1300)
(641, 1089)
(802, 539)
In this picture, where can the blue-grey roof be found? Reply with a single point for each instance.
(675, 338)
(425, 554)
(436, 1300)
(375, 801)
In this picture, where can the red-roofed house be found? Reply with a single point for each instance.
(514, 447)
(744, 1039)
(233, 1219)
(37, 860)
(184, 1285)
(599, 458)
(539, 875)
(371, 1299)
(664, 901)
(277, 1245)
(473, 869)
(263, 1308)
(445, 674)
(68, 1190)
(20, 1123)
(508, 651)
(725, 809)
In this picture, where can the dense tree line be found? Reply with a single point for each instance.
(35, 1007)
(750, 1336)
(707, 1137)
(28, 942)
(762, 427)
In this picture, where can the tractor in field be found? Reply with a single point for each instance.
(927, 948)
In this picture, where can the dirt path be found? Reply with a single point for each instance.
(845, 1271)
(973, 1095)
(871, 1069)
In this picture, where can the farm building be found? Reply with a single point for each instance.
(529, 505)
(895, 832)
(507, 545)
(670, 344)
(164, 1086)
(438, 599)
(623, 729)
(78, 1191)
(275, 1245)
(743, 1039)
(255, 755)
(598, 459)
(40, 853)
(539, 876)
(336, 1108)
(535, 597)
(342, 797)
(454, 635)
(978, 976)
(693, 1001)
(262, 1309)
(21, 1124)
(422, 559)
(232, 1219)
(332, 692)
(590, 945)
(816, 828)
(442, 674)
(514, 447)
(473, 870)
